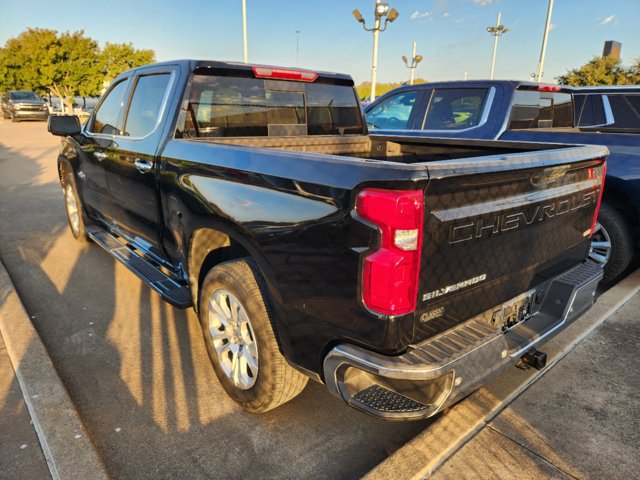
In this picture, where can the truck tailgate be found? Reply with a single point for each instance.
(496, 227)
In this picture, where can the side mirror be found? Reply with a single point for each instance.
(63, 125)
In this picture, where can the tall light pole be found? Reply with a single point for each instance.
(497, 32)
(415, 60)
(381, 10)
(297, 47)
(543, 51)
(244, 31)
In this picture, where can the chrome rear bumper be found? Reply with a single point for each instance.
(450, 366)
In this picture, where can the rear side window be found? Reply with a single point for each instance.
(455, 108)
(146, 102)
(534, 109)
(240, 107)
(589, 110)
(394, 112)
(626, 110)
(108, 118)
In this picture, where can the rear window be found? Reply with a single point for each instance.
(454, 108)
(241, 107)
(534, 109)
(589, 110)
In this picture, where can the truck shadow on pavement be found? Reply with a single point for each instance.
(137, 369)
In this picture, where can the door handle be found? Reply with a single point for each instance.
(143, 166)
(100, 155)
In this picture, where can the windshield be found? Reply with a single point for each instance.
(24, 96)
(237, 107)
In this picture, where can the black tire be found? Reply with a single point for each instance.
(14, 119)
(4, 114)
(69, 188)
(275, 382)
(618, 229)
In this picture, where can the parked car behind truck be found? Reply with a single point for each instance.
(23, 105)
(401, 272)
(524, 111)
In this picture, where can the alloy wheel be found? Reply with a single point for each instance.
(233, 339)
(600, 249)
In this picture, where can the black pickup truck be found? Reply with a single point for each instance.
(402, 272)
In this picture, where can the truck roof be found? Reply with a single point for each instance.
(211, 66)
(511, 84)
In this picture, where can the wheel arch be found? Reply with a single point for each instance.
(209, 247)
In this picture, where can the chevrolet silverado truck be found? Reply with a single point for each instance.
(525, 111)
(23, 105)
(401, 272)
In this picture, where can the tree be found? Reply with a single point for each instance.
(76, 70)
(26, 61)
(66, 64)
(599, 71)
(364, 89)
(117, 58)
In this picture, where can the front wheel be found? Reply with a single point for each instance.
(612, 243)
(73, 208)
(236, 322)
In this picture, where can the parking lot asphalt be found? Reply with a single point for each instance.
(136, 368)
(579, 420)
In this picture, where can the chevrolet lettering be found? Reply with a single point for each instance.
(512, 221)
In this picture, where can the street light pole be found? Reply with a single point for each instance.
(497, 32)
(297, 47)
(244, 30)
(374, 61)
(543, 51)
(415, 60)
(381, 10)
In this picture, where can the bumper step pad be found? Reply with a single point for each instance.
(380, 399)
(169, 289)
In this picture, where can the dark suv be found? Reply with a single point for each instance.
(24, 105)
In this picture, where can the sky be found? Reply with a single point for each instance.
(451, 34)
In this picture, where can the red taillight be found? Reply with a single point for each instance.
(549, 88)
(285, 74)
(595, 215)
(390, 274)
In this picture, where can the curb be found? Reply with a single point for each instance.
(422, 455)
(65, 442)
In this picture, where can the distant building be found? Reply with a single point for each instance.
(612, 49)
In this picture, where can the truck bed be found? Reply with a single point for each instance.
(388, 148)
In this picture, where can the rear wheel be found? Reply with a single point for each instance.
(73, 208)
(236, 322)
(612, 243)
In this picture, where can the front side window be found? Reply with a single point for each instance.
(394, 112)
(146, 102)
(535, 109)
(108, 118)
(222, 106)
(626, 110)
(455, 108)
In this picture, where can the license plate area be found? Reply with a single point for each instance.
(513, 312)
